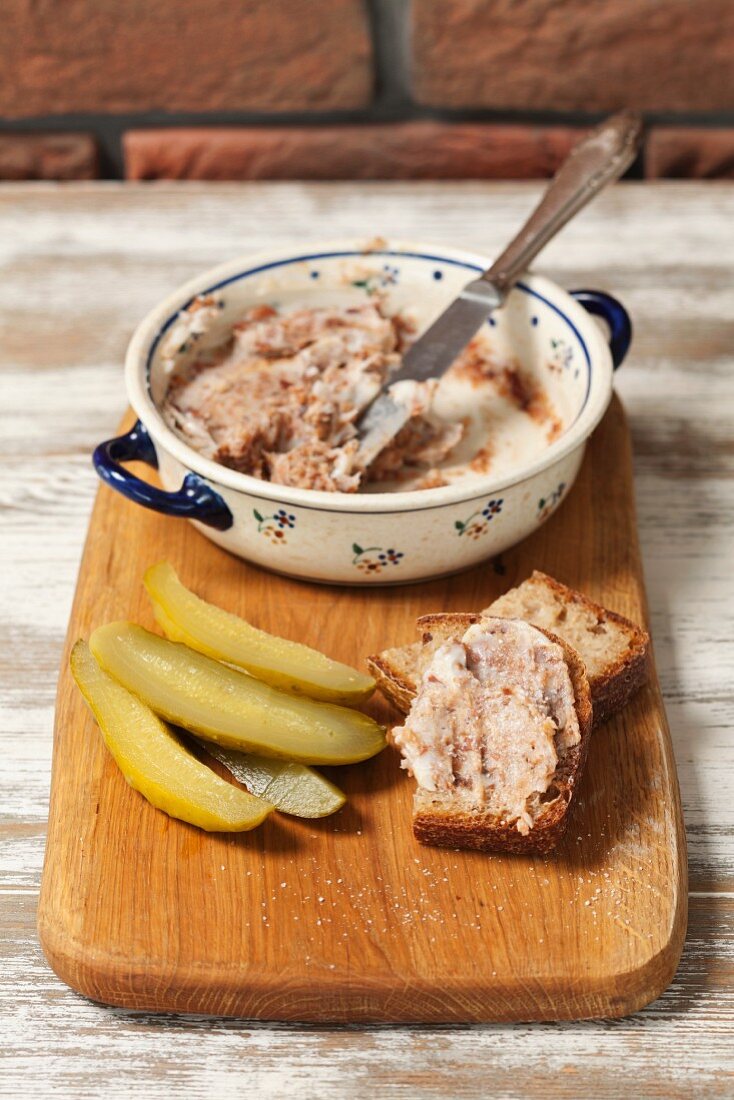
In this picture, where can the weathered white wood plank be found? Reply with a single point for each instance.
(95, 258)
(677, 1048)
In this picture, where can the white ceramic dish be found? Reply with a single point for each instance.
(374, 538)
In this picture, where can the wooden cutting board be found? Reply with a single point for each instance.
(349, 918)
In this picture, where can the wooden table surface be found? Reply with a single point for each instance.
(80, 265)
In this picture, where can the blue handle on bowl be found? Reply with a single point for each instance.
(194, 500)
(614, 314)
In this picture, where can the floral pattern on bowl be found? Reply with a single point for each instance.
(478, 522)
(379, 280)
(549, 503)
(374, 559)
(561, 354)
(275, 527)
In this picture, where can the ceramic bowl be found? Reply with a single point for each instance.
(374, 538)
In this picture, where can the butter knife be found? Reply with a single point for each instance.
(601, 157)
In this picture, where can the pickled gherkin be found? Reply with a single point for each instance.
(155, 761)
(217, 633)
(292, 788)
(229, 707)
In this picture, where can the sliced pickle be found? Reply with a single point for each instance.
(185, 617)
(292, 788)
(155, 761)
(227, 706)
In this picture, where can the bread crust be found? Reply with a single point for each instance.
(435, 823)
(399, 690)
(610, 691)
(462, 620)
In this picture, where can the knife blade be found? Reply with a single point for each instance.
(429, 357)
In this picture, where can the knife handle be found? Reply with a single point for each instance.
(602, 156)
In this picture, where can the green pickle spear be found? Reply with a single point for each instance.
(229, 707)
(185, 617)
(154, 760)
(292, 788)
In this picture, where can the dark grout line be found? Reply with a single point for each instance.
(390, 24)
(391, 105)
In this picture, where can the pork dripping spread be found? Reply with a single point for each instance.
(280, 397)
(493, 715)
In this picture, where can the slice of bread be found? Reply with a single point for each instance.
(456, 819)
(613, 649)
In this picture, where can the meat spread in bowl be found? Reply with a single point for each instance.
(235, 369)
(277, 395)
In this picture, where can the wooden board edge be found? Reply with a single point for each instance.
(357, 1000)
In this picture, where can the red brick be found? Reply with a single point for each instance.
(574, 55)
(690, 153)
(60, 56)
(412, 150)
(48, 157)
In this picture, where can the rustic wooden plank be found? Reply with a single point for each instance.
(678, 1048)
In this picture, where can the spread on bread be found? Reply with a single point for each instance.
(496, 739)
(499, 707)
(494, 712)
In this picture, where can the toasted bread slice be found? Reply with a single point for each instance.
(453, 818)
(613, 649)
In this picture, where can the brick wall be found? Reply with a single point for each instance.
(335, 89)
